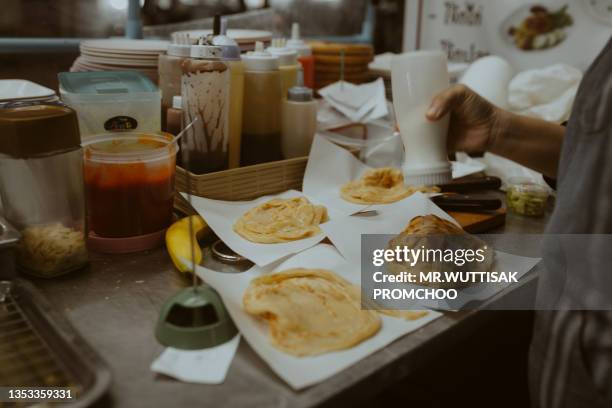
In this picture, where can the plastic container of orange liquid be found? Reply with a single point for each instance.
(129, 190)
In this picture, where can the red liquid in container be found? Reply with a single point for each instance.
(129, 184)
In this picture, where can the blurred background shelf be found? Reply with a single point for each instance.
(29, 28)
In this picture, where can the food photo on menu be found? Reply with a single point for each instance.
(283, 203)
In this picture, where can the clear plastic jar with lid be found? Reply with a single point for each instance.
(41, 187)
(525, 197)
(129, 185)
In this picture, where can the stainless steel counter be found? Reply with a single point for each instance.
(115, 304)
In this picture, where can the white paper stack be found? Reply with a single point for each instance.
(360, 103)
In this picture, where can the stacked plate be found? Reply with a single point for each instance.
(120, 55)
(245, 38)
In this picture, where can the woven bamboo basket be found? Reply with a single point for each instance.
(243, 183)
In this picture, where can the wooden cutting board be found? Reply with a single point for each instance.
(480, 222)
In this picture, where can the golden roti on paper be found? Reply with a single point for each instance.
(281, 220)
(380, 186)
(310, 311)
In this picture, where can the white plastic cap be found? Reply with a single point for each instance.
(260, 60)
(296, 43)
(177, 102)
(206, 52)
(286, 56)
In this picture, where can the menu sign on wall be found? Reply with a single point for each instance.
(527, 33)
(456, 27)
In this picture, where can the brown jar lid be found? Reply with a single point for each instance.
(38, 130)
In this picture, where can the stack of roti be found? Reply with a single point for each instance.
(281, 220)
(380, 186)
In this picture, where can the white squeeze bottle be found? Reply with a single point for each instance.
(417, 77)
(299, 120)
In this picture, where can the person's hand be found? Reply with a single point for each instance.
(474, 122)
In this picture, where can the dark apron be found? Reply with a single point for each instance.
(571, 353)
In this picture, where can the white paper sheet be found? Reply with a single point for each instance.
(506, 170)
(345, 232)
(329, 168)
(301, 372)
(359, 103)
(206, 366)
(462, 169)
(221, 216)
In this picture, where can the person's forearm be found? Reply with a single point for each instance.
(531, 142)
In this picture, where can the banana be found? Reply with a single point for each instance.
(178, 241)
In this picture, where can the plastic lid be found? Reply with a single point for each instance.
(286, 56)
(179, 50)
(528, 186)
(105, 82)
(129, 147)
(260, 60)
(300, 93)
(296, 43)
(231, 49)
(206, 52)
(177, 102)
(36, 130)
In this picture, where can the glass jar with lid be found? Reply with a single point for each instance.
(41, 187)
